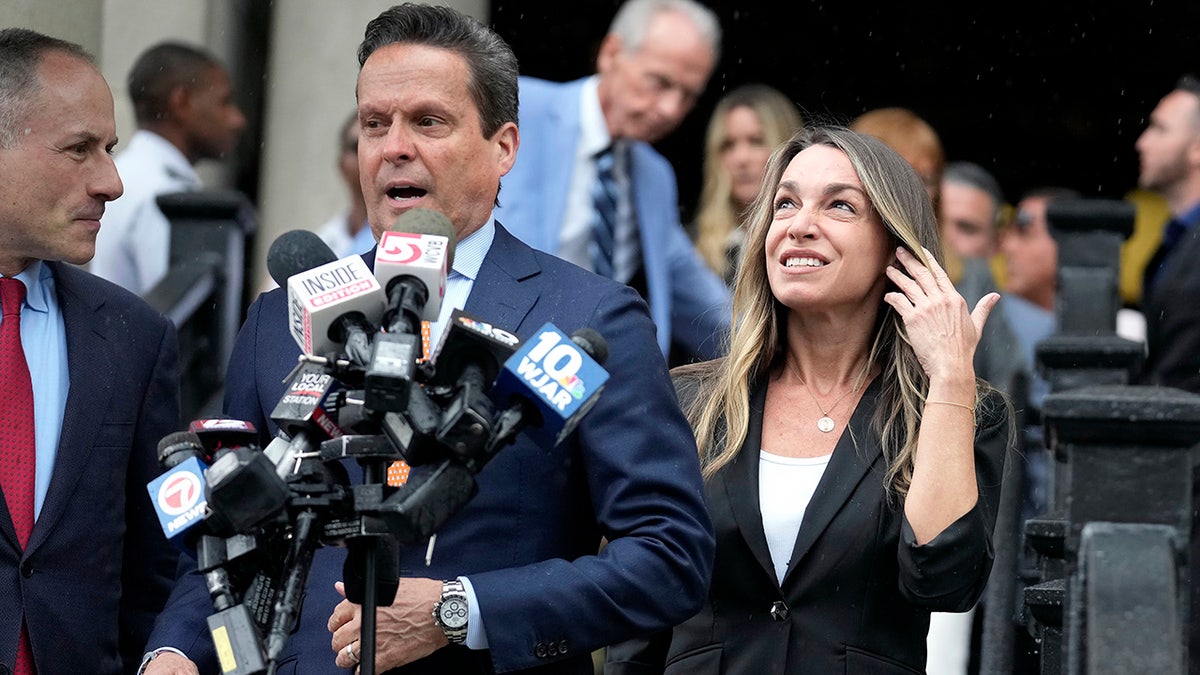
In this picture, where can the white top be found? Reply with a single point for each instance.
(785, 487)
(133, 246)
(336, 233)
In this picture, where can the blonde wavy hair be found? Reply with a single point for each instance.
(717, 215)
(758, 340)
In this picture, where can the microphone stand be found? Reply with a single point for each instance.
(371, 471)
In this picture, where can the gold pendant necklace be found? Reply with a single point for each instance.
(826, 423)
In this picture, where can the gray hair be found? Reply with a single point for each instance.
(634, 17)
(21, 52)
(973, 175)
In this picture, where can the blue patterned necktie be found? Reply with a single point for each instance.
(606, 200)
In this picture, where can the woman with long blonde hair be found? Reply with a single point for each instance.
(853, 460)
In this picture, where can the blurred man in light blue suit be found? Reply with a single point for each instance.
(652, 67)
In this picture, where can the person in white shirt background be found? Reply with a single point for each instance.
(183, 103)
(347, 232)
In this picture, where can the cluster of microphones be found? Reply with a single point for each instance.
(362, 390)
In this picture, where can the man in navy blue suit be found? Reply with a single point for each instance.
(90, 380)
(437, 106)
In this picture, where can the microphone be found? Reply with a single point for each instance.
(412, 262)
(220, 433)
(335, 304)
(470, 343)
(469, 357)
(178, 495)
(304, 414)
(590, 341)
(414, 431)
(244, 489)
(550, 383)
(327, 307)
(305, 540)
(294, 252)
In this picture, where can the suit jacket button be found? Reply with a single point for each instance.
(26, 569)
(562, 647)
(779, 611)
(540, 650)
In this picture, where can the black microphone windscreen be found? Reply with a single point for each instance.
(297, 251)
(590, 341)
(178, 446)
(428, 221)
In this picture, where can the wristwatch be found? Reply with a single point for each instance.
(451, 612)
(154, 654)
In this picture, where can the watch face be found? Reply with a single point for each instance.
(453, 612)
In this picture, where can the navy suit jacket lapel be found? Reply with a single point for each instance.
(498, 296)
(91, 365)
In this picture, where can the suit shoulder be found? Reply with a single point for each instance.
(537, 85)
(96, 290)
(647, 156)
(571, 273)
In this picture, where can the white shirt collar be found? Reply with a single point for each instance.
(593, 130)
(176, 164)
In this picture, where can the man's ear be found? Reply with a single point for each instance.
(179, 102)
(507, 140)
(610, 47)
(1193, 151)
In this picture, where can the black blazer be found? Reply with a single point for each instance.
(858, 592)
(1172, 311)
(97, 568)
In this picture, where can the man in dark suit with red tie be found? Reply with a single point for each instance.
(89, 375)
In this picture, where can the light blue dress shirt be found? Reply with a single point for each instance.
(468, 258)
(44, 339)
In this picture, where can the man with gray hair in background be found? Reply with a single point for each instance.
(971, 209)
(588, 186)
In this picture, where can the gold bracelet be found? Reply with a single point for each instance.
(957, 405)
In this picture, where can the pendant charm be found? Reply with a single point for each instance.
(825, 424)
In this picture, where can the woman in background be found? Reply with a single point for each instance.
(746, 125)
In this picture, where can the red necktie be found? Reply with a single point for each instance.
(17, 447)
